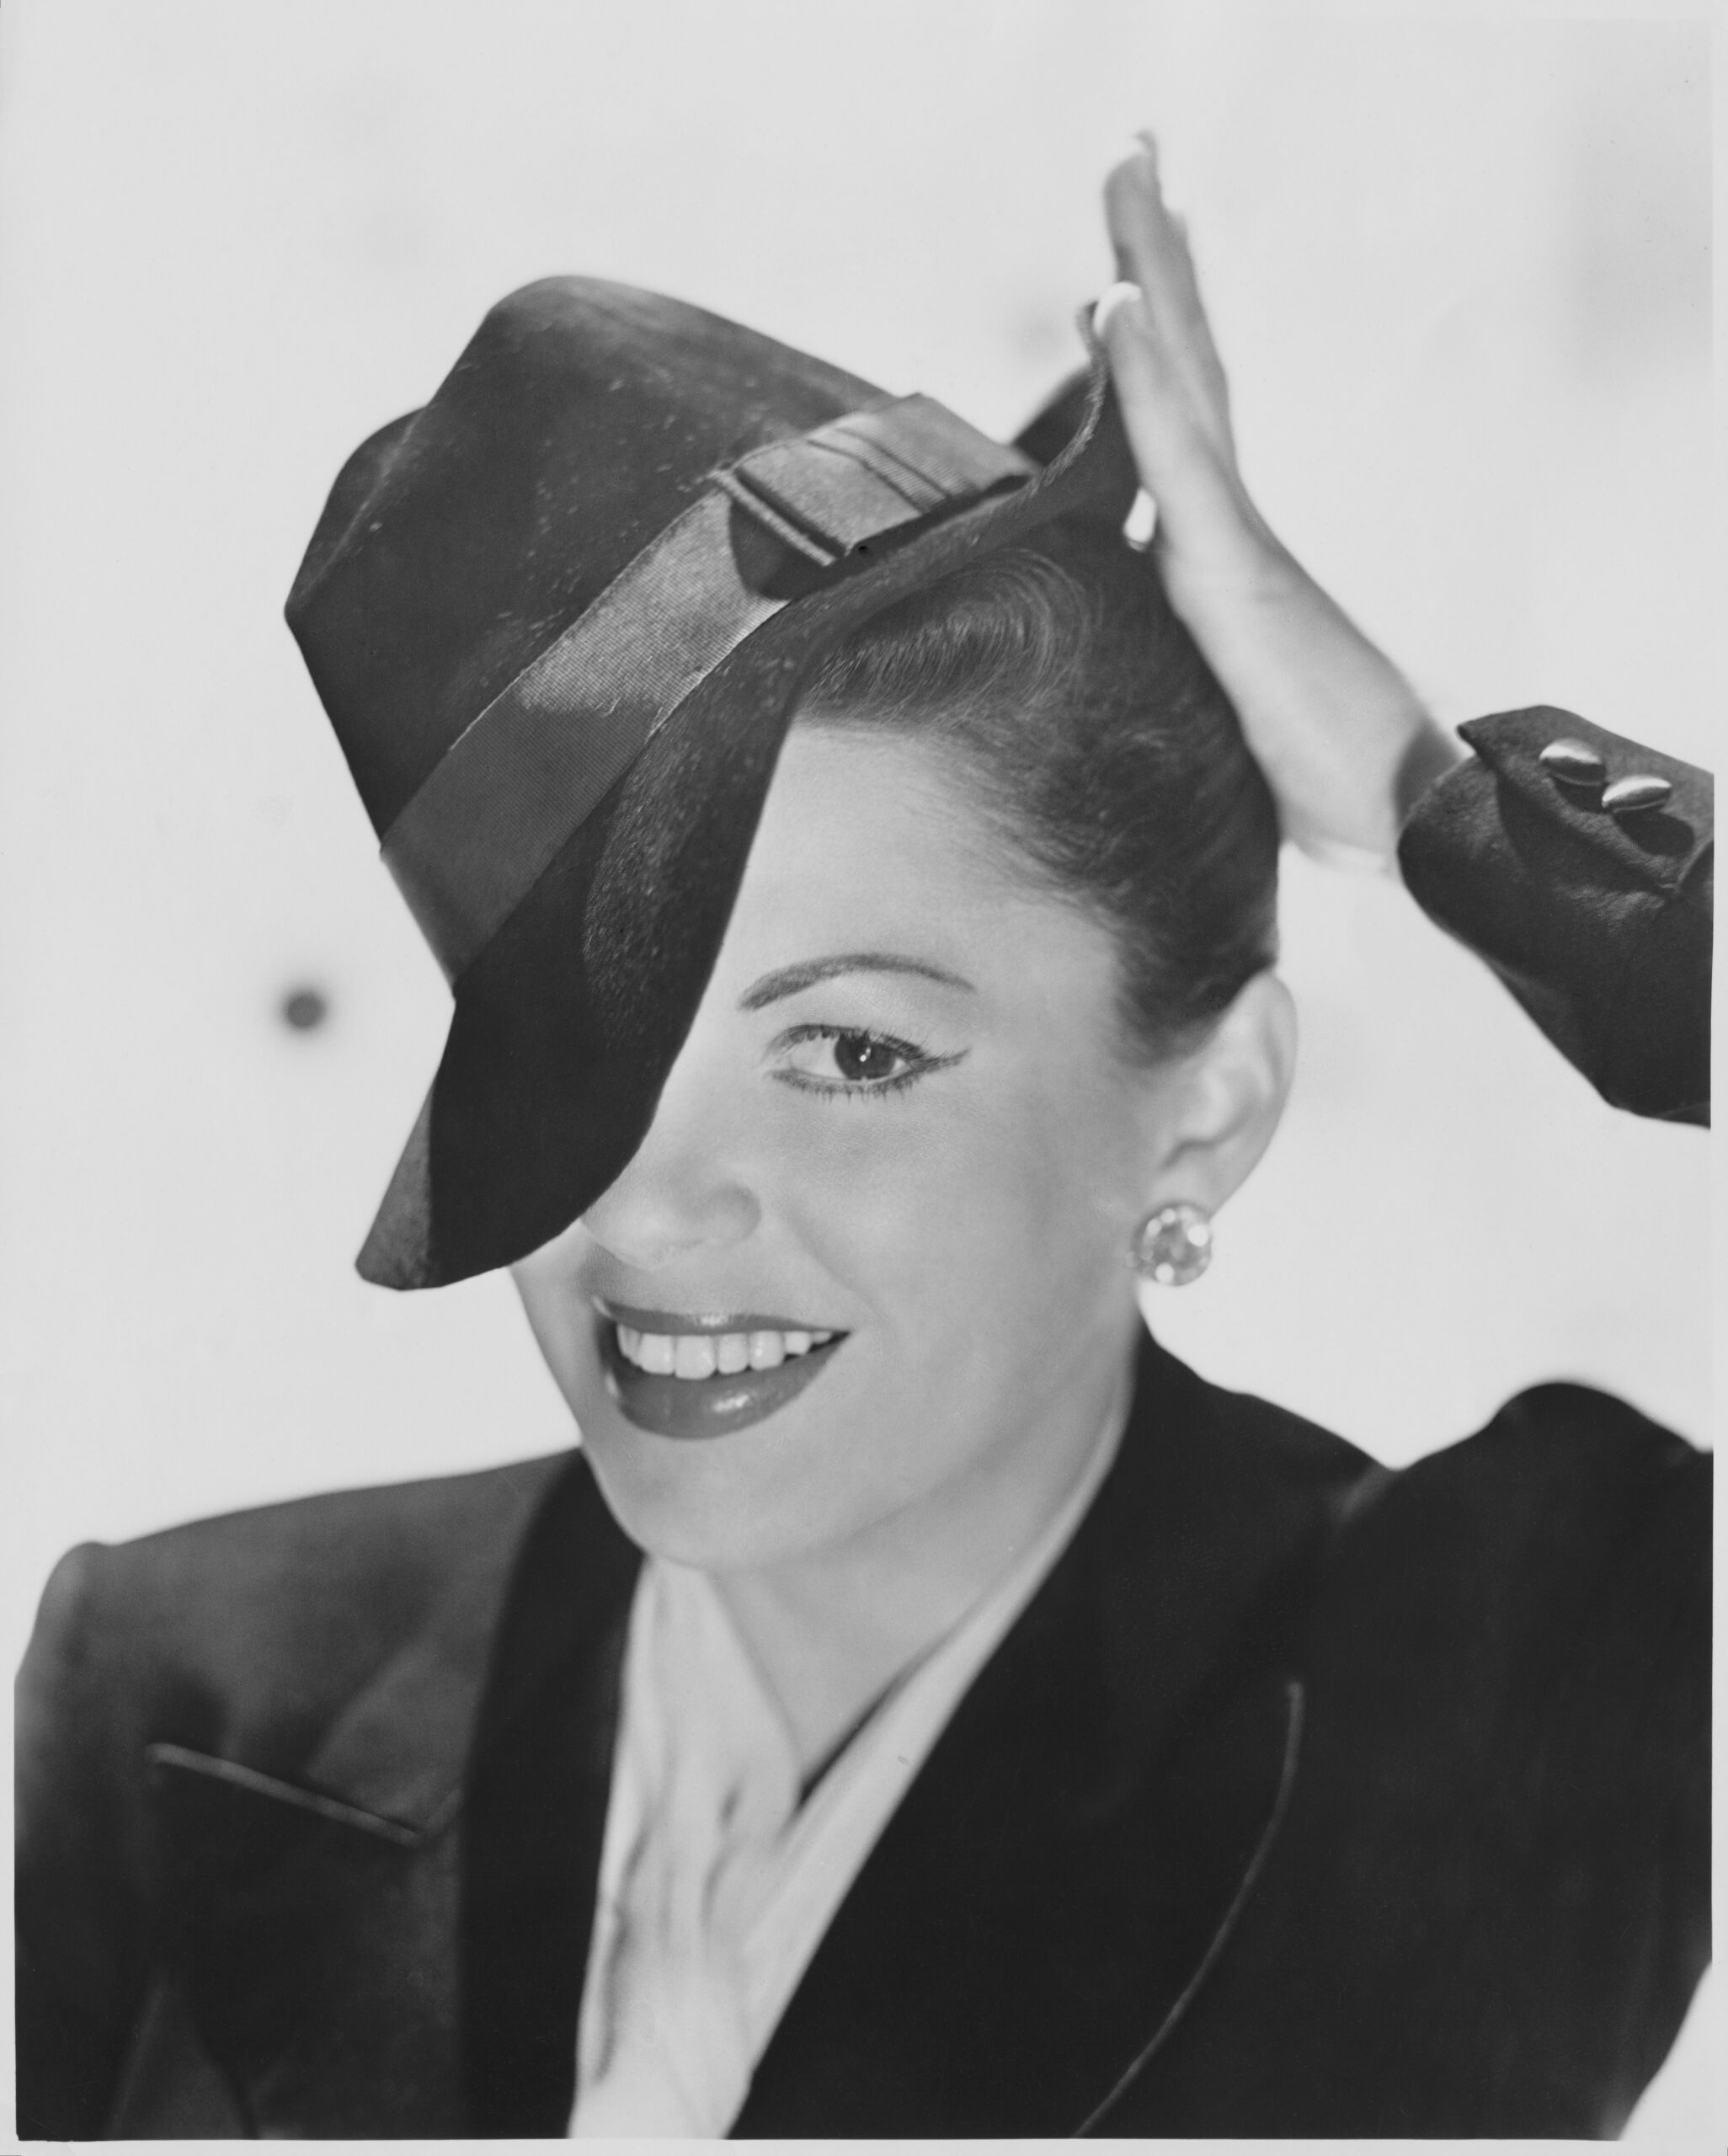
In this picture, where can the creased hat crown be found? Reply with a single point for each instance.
(459, 540)
(558, 618)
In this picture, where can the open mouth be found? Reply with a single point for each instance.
(701, 1377)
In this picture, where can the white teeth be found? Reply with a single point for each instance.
(697, 1355)
(694, 1357)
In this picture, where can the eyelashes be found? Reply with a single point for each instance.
(852, 1062)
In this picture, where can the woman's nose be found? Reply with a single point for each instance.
(671, 1201)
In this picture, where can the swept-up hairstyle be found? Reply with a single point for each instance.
(1065, 690)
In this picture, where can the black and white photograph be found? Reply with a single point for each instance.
(855, 910)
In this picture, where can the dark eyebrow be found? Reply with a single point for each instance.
(790, 979)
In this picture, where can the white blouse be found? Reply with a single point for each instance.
(716, 1885)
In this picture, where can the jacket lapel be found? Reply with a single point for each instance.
(1062, 1872)
(391, 1943)
(313, 1941)
(535, 1813)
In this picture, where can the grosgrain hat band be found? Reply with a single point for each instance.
(527, 772)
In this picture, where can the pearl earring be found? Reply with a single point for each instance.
(1173, 1246)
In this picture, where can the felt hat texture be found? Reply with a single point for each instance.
(558, 618)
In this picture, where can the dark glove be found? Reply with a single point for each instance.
(1594, 911)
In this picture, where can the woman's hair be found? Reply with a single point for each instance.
(1061, 683)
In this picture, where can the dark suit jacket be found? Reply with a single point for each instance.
(1303, 1799)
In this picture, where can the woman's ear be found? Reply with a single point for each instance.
(1213, 1114)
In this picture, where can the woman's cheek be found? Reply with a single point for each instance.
(556, 1316)
(895, 1204)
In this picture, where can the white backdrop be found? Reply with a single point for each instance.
(1459, 264)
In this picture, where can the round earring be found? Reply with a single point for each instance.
(1173, 1246)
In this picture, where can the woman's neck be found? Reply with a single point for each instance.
(830, 1631)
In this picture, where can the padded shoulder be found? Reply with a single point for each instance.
(1558, 1560)
(303, 1642)
(1561, 1469)
(1562, 1417)
(283, 1612)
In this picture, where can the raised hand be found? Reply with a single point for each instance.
(1341, 735)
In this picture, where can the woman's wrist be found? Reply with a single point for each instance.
(1344, 742)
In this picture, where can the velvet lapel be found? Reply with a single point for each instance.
(392, 1944)
(1073, 1853)
(307, 1850)
(535, 1812)
(313, 1952)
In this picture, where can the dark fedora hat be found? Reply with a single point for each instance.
(559, 618)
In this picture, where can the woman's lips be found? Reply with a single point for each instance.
(681, 1376)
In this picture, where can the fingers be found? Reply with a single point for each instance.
(1152, 252)
(1181, 464)
(1196, 325)
(1170, 390)
(1155, 402)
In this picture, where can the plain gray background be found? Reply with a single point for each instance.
(1458, 264)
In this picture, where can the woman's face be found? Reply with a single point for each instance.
(893, 1174)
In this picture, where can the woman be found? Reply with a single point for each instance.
(858, 899)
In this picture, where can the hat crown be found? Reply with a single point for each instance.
(558, 618)
(460, 540)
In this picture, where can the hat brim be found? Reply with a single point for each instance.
(566, 1026)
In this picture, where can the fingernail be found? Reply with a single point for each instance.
(1148, 143)
(1110, 302)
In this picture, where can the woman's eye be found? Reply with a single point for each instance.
(842, 1060)
(862, 1056)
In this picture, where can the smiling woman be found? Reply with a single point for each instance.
(927, 1143)
(919, 1705)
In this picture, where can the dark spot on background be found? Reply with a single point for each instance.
(305, 1009)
